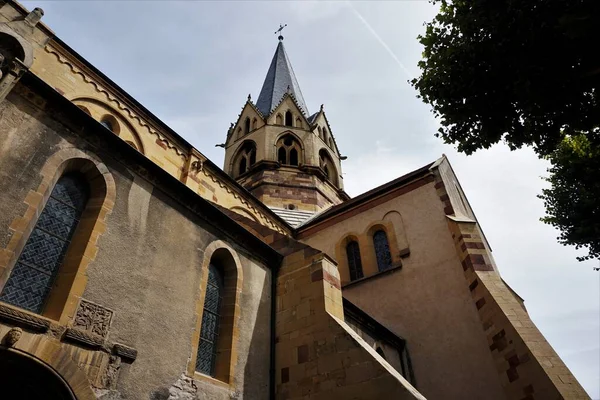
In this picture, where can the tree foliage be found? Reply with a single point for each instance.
(523, 71)
(526, 72)
(572, 201)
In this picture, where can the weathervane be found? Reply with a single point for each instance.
(279, 31)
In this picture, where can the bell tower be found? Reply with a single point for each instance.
(282, 154)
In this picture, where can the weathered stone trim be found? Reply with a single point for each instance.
(23, 318)
(125, 352)
(228, 343)
(83, 337)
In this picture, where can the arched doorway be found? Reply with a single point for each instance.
(27, 378)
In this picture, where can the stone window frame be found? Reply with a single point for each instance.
(344, 263)
(71, 280)
(111, 123)
(226, 358)
(247, 126)
(328, 166)
(295, 145)
(246, 152)
(390, 234)
(289, 118)
(367, 251)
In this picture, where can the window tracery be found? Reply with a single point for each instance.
(327, 165)
(288, 150)
(246, 157)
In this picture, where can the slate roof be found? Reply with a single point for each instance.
(293, 217)
(279, 78)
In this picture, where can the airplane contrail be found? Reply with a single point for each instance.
(380, 40)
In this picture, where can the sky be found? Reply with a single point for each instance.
(193, 64)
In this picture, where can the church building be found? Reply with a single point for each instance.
(133, 267)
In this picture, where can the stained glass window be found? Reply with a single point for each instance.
(209, 330)
(354, 263)
(382, 250)
(33, 275)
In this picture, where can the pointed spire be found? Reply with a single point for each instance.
(280, 80)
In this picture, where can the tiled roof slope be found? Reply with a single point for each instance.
(279, 78)
(293, 217)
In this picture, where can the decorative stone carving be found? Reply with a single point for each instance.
(84, 337)
(125, 352)
(12, 337)
(24, 319)
(93, 318)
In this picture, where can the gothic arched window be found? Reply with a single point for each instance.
(326, 164)
(278, 119)
(325, 137)
(32, 277)
(254, 124)
(246, 157)
(247, 125)
(288, 150)
(354, 262)
(209, 329)
(282, 155)
(298, 122)
(289, 119)
(294, 157)
(242, 166)
(382, 250)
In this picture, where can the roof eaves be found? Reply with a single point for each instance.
(367, 196)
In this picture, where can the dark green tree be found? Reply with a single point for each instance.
(525, 72)
(574, 194)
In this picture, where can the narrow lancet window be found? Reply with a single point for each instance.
(209, 330)
(32, 277)
(289, 119)
(354, 262)
(382, 250)
(294, 157)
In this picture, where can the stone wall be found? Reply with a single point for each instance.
(318, 355)
(287, 186)
(146, 269)
(527, 365)
(424, 299)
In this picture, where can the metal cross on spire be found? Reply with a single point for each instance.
(279, 31)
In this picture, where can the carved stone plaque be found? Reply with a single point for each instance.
(93, 318)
